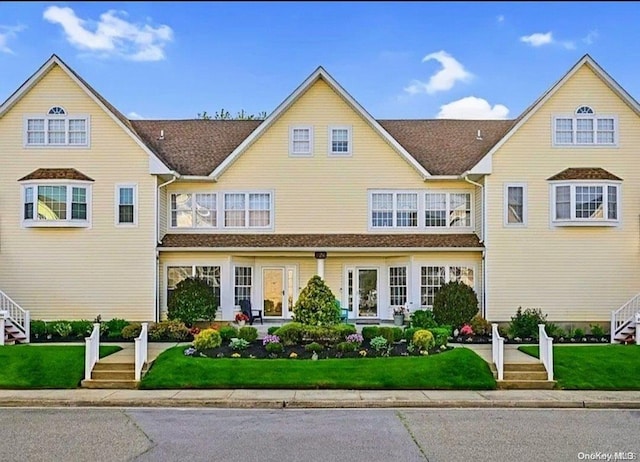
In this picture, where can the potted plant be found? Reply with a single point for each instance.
(241, 319)
(398, 315)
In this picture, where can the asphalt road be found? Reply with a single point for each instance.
(229, 435)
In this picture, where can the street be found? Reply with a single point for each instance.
(162, 434)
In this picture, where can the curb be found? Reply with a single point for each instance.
(320, 404)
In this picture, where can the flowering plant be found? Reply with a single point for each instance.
(270, 339)
(354, 338)
(466, 330)
(400, 310)
(241, 317)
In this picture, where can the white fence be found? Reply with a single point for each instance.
(3, 315)
(497, 350)
(545, 344)
(141, 350)
(91, 351)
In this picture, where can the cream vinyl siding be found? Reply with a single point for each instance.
(478, 209)
(77, 273)
(571, 273)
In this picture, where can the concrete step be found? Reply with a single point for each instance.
(104, 366)
(524, 367)
(525, 375)
(526, 384)
(112, 375)
(110, 384)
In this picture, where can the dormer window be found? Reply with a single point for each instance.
(584, 128)
(57, 128)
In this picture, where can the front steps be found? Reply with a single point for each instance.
(524, 376)
(113, 376)
(626, 334)
(12, 334)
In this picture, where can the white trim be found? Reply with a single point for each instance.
(574, 118)
(573, 221)
(319, 73)
(116, 217)
(183, 262)
(505, 205)
(292, 153)
(67, 222)
(586, 60)
(447, 276)
(45, 118)
(349, 151)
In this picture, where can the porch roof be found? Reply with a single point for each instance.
(322, 241)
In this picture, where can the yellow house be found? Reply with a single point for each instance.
(529, 212)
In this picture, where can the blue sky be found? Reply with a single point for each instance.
(398, 59)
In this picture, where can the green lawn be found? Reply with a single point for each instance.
(28, 366)
(598, 367)
(456, 369)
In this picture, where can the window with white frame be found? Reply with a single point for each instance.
(242, 283)
(339, 140)
(584, 128)
(450, 210)
(56, 204)
(434, 277)
(177, 274)
(193, 210)
(397, 285)
(57, 128)
(515, 205)
(126, 213)
(394, 209)
(301, 141)
(247, 210)
(587, 203)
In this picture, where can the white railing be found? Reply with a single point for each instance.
(19, 317)
(3, 315)
(497, 350)
(545, 344)
(141, 351)
(91, 351)
(637, 328)
(623, 316)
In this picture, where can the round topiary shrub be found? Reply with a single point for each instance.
(131, 331)
(313, 347)
(274, 348)
(290, 333)
(423, 339)
(455, 304)
(207, 339)
(228, 332)
(250, 334)
(192, 300)
(316, 305)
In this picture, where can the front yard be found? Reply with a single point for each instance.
(458, 369)
(602, 367)
(27, 366)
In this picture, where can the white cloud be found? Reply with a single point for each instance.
(569, 45)
(6, 33)
(500, 18)
(134, 115)
(471, 107)
(538, 39)
(591, 37)
(112, 35)
(452, 71)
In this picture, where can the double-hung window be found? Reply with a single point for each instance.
(448, 210)
(248, 210)
(397, 285)
(394, 210)
(177, 274)
(126, 205)
(56, 128)
(585, 203)
(515, 206)
(193, 210)
(434, 277)
(584, 128)
(340, 141)
(301, 141)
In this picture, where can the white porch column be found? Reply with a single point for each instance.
(320, 257)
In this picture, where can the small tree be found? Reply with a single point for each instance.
(316, 305)
(455, 304)
(191, 301)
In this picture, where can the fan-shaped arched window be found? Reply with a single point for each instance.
(584, 110)
(583, 127)
(57, 110)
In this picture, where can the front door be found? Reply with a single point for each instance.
(278, 295)
(367, 293)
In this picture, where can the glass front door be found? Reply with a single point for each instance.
(367, 293)
(273, 292)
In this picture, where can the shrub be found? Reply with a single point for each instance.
(326, 334)
(115, 326)
(423, 319)
(356, 339)
(423, 339)
(387, 333)
(379, 343)
(525, 324)
(238, 343)
(274, 348)
(597, 330)
(440, 336)
(60, 328)
(250, 334)
(316, 305)
(553, 330)
(408, 333)
(169, 330)
(38, 328)
(206, 339)
(398, 333)
(345, 347)
(480, 325)
(131, 331)
(455, 303)
(227, 333)
(578, 333)
(272, 330)
(343, 330)
(369, 332)
(313, 347)
(290, 333)
(81, 328)
(192, 300)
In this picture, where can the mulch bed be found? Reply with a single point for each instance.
(479, 339)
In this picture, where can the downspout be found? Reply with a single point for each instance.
(176, 175)
(465, 177)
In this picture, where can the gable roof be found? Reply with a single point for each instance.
(318, 74)
(116, 115)
(588, 173)
(56, 174)
(586, 60)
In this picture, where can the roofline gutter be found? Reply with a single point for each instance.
(442, 177)
(198, 178)
(316, 248)
(465, 177)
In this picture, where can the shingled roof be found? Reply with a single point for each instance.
(321, 241)
(588, 173)
(442, 147)
(56, 174)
